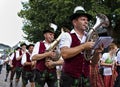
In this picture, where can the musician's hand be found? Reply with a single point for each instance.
(50, 64)
(88, 45)
(51, 54)
(32, 63)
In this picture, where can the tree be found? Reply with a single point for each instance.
(39, 13)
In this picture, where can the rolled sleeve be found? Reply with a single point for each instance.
(65, 40)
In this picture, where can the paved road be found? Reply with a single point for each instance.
(6, 84)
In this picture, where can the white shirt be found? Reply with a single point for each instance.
(18, 53)
(107, 70)
(12, 56)
(24, 58)
(118, 57)
(36, 48)
(66, 39)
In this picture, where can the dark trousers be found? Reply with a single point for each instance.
(0, 68)
(68, 81)
(8, 68)
(27, 76)
(42, 77)
(12, 73)
(117, 82)
(18, 71)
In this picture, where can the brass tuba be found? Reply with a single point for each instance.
(101, 21)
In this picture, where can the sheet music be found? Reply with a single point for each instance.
(105, 40)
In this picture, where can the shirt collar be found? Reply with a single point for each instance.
(73, 31)
(83, 38)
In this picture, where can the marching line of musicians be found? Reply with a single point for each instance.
(103, 73)
(65, 65)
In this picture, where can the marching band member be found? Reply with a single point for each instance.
(18, 68)
(28, 72)
(13, 65)
(44, 73)
(75, 72)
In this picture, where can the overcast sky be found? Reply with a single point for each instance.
(10, 24)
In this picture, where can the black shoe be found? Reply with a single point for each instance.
(5, 80)
(11, 85)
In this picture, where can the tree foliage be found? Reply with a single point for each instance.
(37, 14)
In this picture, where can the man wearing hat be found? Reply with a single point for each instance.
(28, 71)
(75, 72)
(13, 65)
(19, 67)
(45, 74)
